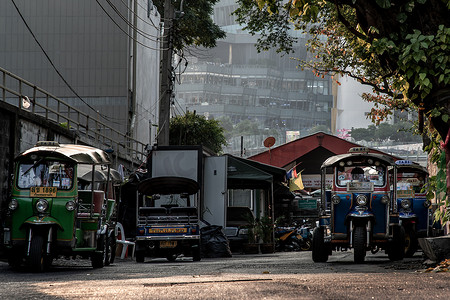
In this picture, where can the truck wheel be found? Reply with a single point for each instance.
(411, 242)
(397, 245)
(171, 257)
(196, 256)
(98, 258)
(140, 256)
(359, 244)
(37, 253)
(319, 249)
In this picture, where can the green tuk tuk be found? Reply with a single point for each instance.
(57, 208)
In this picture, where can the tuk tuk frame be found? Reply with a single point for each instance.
(51, 218)
(344, 223)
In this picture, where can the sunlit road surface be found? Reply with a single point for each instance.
(287, 275)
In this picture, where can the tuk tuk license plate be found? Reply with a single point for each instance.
(167, 244)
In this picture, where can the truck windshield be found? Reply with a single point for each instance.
(45, 174)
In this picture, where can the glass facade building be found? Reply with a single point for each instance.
(233, 80)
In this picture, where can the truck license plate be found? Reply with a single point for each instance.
(167, 244)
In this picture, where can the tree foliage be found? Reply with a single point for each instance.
(399, 132)
(401, 48)
(193, 26)
(193, 129)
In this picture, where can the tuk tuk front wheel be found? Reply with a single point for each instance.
(37, 261)
(319, 249)
(359, 244)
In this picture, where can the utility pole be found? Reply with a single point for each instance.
(166, 75)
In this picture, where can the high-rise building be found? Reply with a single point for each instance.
(233, 80)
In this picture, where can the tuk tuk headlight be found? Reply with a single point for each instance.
(70, 205)
(361, 200)
(427, 203)
(406, 204)
(336, 199)
(385, 199)
(41, 205)
(13, 204)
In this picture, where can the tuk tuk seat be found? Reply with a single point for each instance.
(85, 201)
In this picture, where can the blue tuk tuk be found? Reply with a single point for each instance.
(412, 203)
(359, 213)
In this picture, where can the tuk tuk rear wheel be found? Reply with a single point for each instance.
(110, 249)
(14, 258)
(319, 249)
(359, 244)
(411, 242)
(98, 258)
(37, 261)
(397, 245)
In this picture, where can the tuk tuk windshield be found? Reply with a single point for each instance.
(374, 174)
(172, 200)
(410, 182)
(45, 173)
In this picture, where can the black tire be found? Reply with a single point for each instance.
(196, 255)
(397, 245)
(37, 260)
(98, 258)
(359, 244)
(15, 258)
(110, 249)
(411, 242)
(319, 249)
(140, 256)
(171, 257)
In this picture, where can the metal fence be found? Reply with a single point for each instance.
(25, 95)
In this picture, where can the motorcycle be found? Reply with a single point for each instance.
(293, 239)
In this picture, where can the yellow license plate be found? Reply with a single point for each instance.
(43, 191)
(167, 244)
(167, 230)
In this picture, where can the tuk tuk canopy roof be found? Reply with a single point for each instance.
(334, 160)
(78, 153)
(84, 172)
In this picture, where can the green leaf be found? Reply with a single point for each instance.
(384, 3)
(445, 118)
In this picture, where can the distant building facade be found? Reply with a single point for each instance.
(233, 80)
(112, 67)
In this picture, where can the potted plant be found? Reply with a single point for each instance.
(266, 227)
(252, 246)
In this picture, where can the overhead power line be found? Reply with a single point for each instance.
(108, 118)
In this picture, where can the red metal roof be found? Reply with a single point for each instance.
(292, 152)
